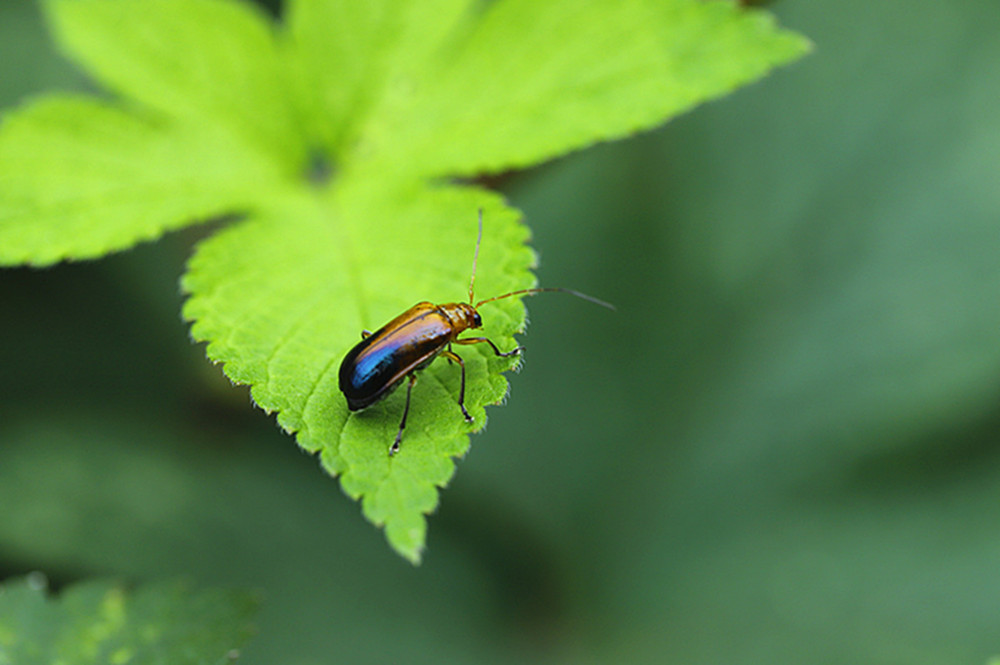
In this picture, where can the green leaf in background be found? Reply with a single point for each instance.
(82, 177)
(101, 622)
(326, 137)
(524, 81)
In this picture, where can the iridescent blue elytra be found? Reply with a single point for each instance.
(412, 340)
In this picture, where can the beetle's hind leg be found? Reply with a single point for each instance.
(452, 356)
(394, 448)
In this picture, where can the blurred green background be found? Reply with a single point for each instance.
(783, 448)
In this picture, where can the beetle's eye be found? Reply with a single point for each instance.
(477, 321)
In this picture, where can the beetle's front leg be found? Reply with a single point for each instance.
(451, 355)
(482, 340)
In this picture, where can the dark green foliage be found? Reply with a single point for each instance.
(102, 622)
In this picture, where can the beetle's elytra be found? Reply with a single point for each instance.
(411, 341)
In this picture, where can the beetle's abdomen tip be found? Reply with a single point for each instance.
(356, 405)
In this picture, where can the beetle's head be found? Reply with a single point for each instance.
(470, 316)
(462, 315)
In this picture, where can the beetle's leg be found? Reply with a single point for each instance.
(394, 448)
(451, 355)
(480, 340)
(365, 334)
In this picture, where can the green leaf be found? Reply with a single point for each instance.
(379, 248)
(328, 138)
(214, 61)
(400, 42)
(525, 81)
(101, 622)
(80, 178)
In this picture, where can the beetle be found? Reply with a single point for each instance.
(378, 364)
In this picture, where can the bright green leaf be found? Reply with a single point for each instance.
(373, 252)
(399, 40)
(322, 137)
(101, 622)
(214, 61)
(526, 81)
(80, 178)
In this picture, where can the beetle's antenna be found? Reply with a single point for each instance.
(475, 258)
(532, 292)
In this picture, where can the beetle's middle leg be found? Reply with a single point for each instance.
(451, 355)
(394, 448)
